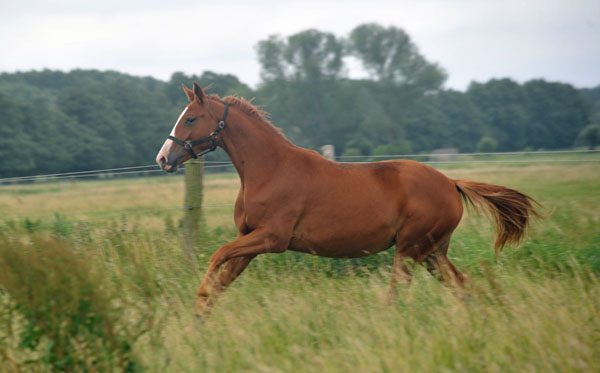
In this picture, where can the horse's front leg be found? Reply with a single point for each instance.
(231, 270)
(237, 254)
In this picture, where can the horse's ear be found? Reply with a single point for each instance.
(189, 93)
(199, 93)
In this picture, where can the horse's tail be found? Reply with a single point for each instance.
(510, 209)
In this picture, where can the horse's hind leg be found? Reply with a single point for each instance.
(400, 274)
(420, 247)
(438, 263)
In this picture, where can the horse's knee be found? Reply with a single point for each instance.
(217, 259)
(203, 291)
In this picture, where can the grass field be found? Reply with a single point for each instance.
(92, 278)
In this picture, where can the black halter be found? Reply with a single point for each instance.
(189, 145)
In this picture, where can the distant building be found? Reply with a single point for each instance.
(441, 155)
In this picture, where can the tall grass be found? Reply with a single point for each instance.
(118, 294)
(286, 313)
(507, 321)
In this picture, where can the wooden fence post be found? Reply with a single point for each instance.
(328, 152)
(194, 227)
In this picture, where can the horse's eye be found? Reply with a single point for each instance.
(190, 120)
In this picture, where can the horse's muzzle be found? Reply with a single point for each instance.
(167, 166)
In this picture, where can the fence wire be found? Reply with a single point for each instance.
(145, 169)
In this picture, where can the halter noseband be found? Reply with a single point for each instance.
(189, 145)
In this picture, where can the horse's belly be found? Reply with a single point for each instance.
(341, 248)
(350, 240)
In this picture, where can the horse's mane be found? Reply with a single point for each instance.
(252, 110)
(245, 106)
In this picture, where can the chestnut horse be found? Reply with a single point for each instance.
(294, 199)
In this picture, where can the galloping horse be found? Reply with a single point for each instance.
(294, 199)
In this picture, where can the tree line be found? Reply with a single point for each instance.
(52, 121)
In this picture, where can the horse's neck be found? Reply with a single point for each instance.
(253, 147)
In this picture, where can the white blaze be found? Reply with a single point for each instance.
(167, 145)
(178, 119)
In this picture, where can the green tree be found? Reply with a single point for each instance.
(309, 55)
(590, 136)
(390, 56)
(16, 157)
(372, 110)
(314, 55)
(557, 113)
(592, 96)
(55, 136)
(103, 138)
(502, 101)
(443, 120)
(270, 56)
(85, 119)
(537, 114)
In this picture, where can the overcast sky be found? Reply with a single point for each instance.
(471, 40)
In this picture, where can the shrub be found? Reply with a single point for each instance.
(398, 147)
(352, 152)
(487, 145)
(59, 312)
(358, 143)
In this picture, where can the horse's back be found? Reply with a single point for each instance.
(405, 182)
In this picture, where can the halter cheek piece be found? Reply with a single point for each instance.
(189, 145)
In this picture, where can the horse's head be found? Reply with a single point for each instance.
(195, 131)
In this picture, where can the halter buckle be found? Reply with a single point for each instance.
(187, 145)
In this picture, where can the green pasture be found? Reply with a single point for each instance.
(92, 278)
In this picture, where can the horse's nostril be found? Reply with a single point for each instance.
(162, 160)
